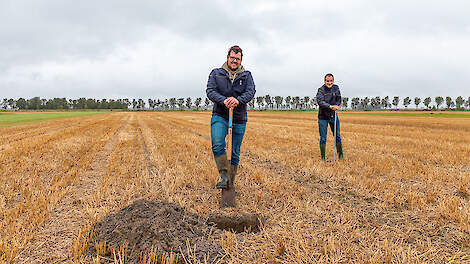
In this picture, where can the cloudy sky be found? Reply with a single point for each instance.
(161, 49)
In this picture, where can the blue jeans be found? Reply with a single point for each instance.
(323, 128)
(219, 129)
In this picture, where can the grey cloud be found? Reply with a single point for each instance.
(60, 30)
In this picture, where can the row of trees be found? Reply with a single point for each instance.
(384, 103)
(260, 102)
(36, 103)
(377, 102)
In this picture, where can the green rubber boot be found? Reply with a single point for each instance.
(339, 149)
(233, 173)
(222, 166)
(322, 151)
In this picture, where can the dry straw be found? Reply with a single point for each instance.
(399, 196)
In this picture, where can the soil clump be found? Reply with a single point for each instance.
(249, 223)
(156, 226)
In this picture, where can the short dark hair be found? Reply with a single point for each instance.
(236, 49)
(329, 74)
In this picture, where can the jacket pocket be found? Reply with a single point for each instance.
(239, 86)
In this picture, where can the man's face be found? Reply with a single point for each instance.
(234, 60)
(329, 81)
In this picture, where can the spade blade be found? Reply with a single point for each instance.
(228, 198)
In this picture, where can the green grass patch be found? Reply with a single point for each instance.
(16, 118)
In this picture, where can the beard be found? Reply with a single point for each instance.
(231, 68)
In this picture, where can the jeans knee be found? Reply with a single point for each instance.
(218, 146)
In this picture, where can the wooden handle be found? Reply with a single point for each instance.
(230, 117)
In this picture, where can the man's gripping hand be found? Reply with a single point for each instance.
(231, 102)
(334, 107)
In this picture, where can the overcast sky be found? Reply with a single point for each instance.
(162, 49)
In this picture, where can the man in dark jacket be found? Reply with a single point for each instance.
(329, 100)
(230, 86)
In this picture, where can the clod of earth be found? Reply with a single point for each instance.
(159, 226)
(250, 223)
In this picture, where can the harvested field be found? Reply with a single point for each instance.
(139, 188)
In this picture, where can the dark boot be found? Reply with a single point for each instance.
(322, 151)
(222, 166)
(233, 173)
(339, 149)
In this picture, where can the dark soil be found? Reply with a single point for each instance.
(249, 223)
(161, 226)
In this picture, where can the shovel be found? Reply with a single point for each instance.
(228, 195)
(334, 140)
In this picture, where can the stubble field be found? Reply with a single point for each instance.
(129, 187)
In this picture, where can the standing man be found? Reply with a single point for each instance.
(230, 86)
(329, 100)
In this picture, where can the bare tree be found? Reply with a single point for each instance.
(378, 102)
(180, 103)
(386, 102)
(278, 100)
(373, 103)
(188, 103)
(172, 103)
(260, 101)
(459, 101)
(134, 103)
(207, 102)
(427, 101)
(251, 103)
(197, 102)
(449, 102)
(365, 102)
(314, 102)
(417, 101)
(296, 101)
(345, 102)
(288, 101)
(267, 99)
(438, 101)
(141, 103)
(306, 101)
(5, 103)
(406, 101)
(355, 102)
(396, 101)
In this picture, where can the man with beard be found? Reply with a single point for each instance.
(329, 100)
(230, 86)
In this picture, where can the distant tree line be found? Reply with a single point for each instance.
(259, 102)
(37, 103)
(357, 103)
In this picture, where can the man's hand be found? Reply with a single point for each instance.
(334, 107)
(231, 102)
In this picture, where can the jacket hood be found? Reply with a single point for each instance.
(333, 86)
(237, 72)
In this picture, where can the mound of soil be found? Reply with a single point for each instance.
(161, 226)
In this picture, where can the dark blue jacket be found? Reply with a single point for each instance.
(219, 88)
(326, 97)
